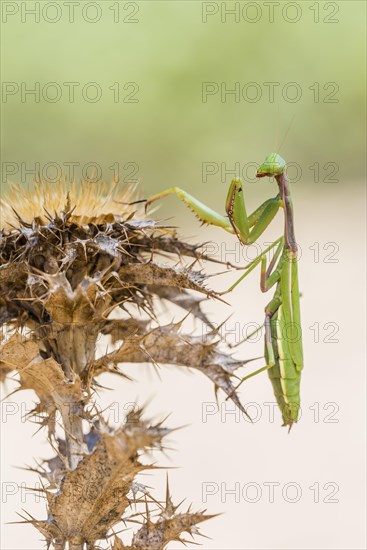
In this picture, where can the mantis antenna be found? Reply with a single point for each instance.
(286, 133)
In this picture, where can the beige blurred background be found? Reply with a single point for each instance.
(162, 131)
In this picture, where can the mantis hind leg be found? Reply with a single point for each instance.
(270, 310)
(271, 275)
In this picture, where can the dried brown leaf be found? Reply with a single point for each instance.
(120, 329)
(17, 352)
(155, 536)
(93, 497)
(166, 345)
(158, 275)
(184, 300)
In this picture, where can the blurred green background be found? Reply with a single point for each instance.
(169, 50)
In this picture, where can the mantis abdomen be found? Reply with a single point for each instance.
(285, 374)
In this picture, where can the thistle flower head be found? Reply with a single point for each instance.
(92, 202)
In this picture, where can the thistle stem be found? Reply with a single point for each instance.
(75, 446)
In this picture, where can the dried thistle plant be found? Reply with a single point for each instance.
(77, 262)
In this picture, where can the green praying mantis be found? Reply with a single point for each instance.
(283, 337)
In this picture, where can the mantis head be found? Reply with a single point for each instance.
(273, 165)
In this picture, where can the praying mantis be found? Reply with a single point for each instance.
(283, 337)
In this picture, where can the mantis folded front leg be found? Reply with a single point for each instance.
(283, 343)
